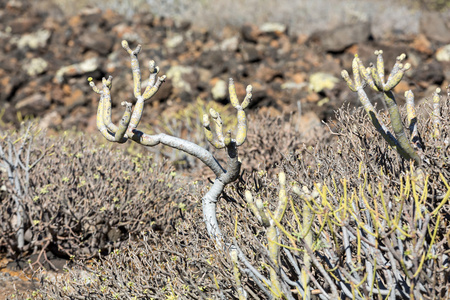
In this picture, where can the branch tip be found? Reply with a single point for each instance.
(205, 120)
(214, 114)
(401, 57)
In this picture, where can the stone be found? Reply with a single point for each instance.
(231, 44)
(183, 78)
(443, 53)
(401, 88)
(266, 73)
(91, 15)
(422, 44)
(429, 73)
(250, 32)
(126, 32)
(23, 25)
(269, 111)
(213, 60)
(342, 37)
(50, 120)
(434, 26)
(250, 53)
(276, 28)
(174, 41)
(84, 67)
(35, 40)
(33, 105)
(100, 43)
(75, 97)
(219, 90)
(35, 66)
(9, 85)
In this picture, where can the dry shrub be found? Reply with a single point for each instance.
(373, 223)
(184, 264)
(85, 198)
(348, 218)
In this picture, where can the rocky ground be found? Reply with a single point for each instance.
(45, 59)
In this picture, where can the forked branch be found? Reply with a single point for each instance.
(374, 77)
(132, 116)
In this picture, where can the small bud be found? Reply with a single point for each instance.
(228, 137)
(401, 57)
(378, 52)
(205, 120)
(151, 66)
(213, 113)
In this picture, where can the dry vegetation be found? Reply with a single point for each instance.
(352, 215)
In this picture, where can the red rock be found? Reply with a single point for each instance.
(354, 49)
(313, 97)
(299, 77)
(266, 73)
(73, 98)
(422, 44)
(401, 88)
(302, 38)
(75, 21)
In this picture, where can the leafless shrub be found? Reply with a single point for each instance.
(17, 160)
(186, 265)
(85, 199)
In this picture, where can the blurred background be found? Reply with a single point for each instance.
(292, 52)
(301, 16)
